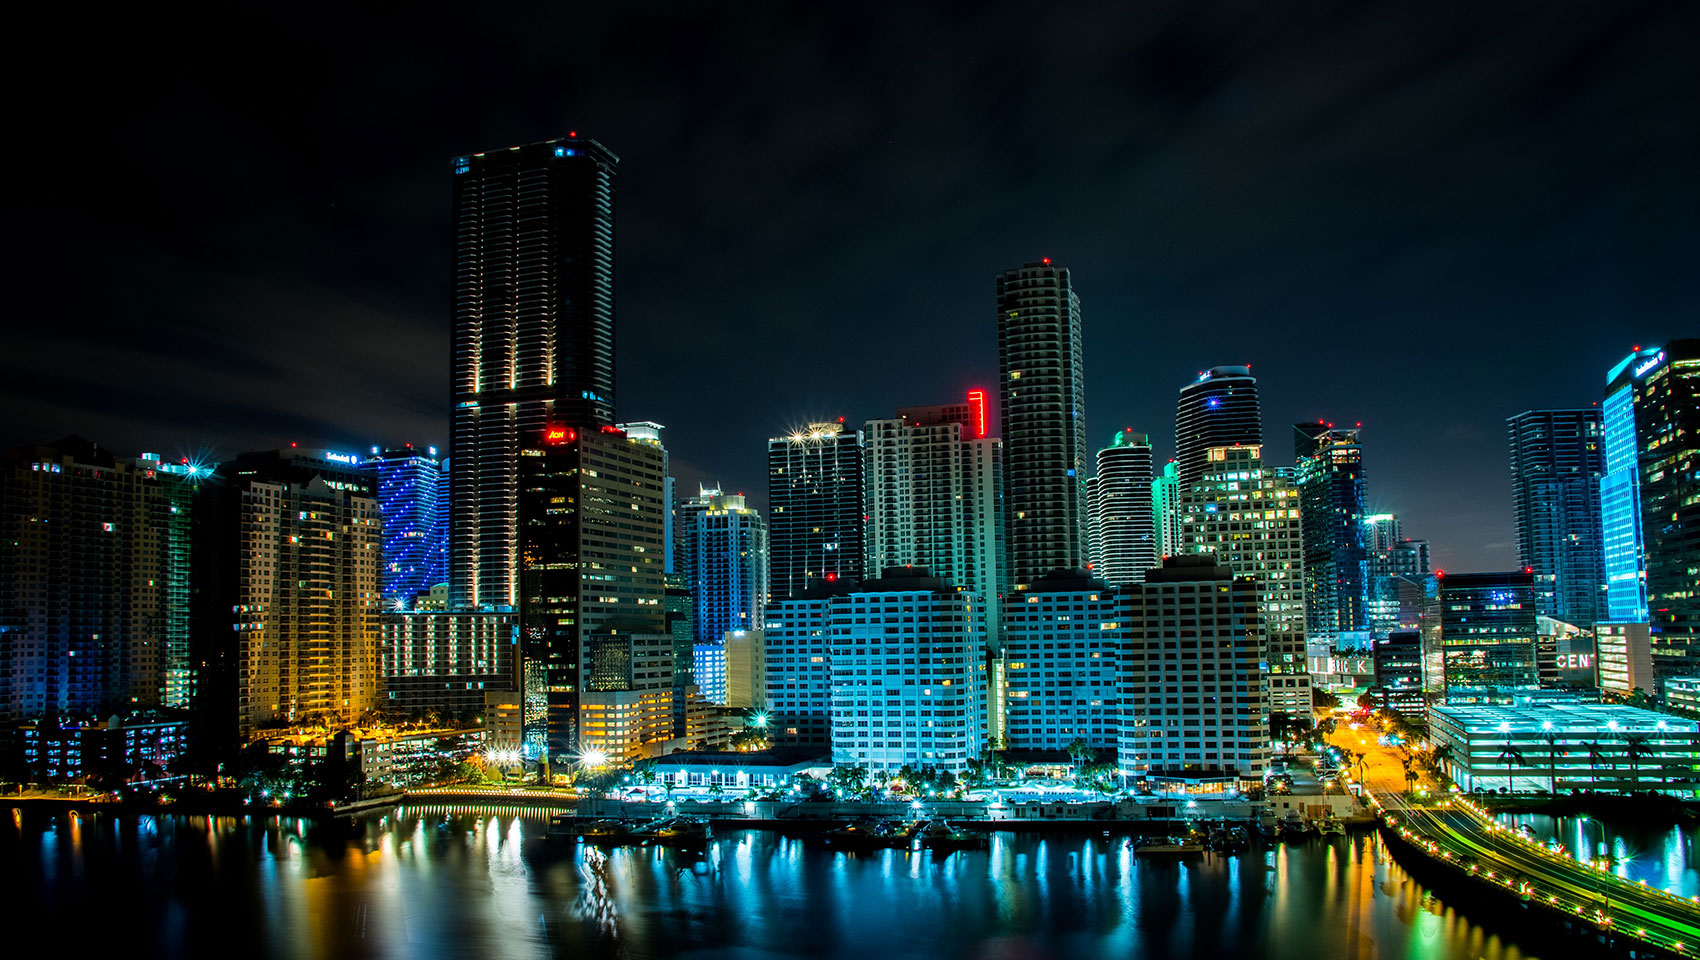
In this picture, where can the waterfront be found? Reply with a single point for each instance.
(488, 884)
(1659, 854)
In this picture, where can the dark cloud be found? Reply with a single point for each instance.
(230, 230)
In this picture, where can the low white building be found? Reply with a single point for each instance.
(1540, 745)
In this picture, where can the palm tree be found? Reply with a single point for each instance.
(1513, 758)
(1552, 761)
(1636, 748)
(1594, 755)
(1078, 751)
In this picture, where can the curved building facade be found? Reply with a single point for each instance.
(1219, 409)
(1123, 532)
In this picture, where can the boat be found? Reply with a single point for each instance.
(1268, 828)
(1169, 846)
(688, 833)
(568, 827)
(940, 835)
(1332, 827)
(1227, 839)
(1296, 828)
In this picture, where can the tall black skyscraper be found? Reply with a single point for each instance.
(1219, 409)
(1329, 467)
(1042, 380)
(533, 334)
(1557, 460)
(814, 496)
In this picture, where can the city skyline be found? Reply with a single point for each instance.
(1395, 258)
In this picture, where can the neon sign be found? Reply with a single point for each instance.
(977, 411)
(349, 458)
(559, 435)
(1641, 368)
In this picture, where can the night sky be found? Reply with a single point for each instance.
(230, 230)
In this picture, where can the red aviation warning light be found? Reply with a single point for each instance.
(556, 436)
(977, 411)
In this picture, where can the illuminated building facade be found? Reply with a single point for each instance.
(1479, 637)
(1399, 673)
(411, 488)
(533, 335)
(1123, 534)
(1218, 409)
(1166, 511)
(594, 640)
(728, 560)
(1559, 747)
(1398, 567)
(1667, 442)
(814, 496)
(1062, 642)
(799, 668)
(1622, 548)
(1329, 467)
(908, 674)
(1194, 703)
(1042, 409)
(288, 555)
(1557, 462)
(447, 661)
(934, 497)
(1247, 516)
(94, 581)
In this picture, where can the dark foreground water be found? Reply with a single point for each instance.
(488, 884)
(1657, 854)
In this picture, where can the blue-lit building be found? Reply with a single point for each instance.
(1478, 637)
(412, 485)
(1623, 554)
(1556, 466)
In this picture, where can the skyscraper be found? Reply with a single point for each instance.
(533, 339)
(94, 582)
(814, 495)
(287, 593)
(1166, 510)
(1042, 383)
(1667, 441)
(934, 497)
(1124, 545)
(410, 485)
(1219, 409)
(728, 564)
(1621, 545)
(1247, 516)
(1397, 567)
(1556, 465)
(1329, 467)
(594, 634)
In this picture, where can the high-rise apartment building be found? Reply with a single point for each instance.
(1042, 383)
(411, 484)
(1479, 637)
(1557, 462)
(728, 560)
(934, 497)
(287, 569)
(908, 674)
(1247, 516)
(1194, 704)
(814, 498)
(1123, 534)
(94, 581)
(533, 335)
(1218, 409)
(1329, 467)
(1667, 442)
(1166, 511)
(598, 654)
(1062, 644)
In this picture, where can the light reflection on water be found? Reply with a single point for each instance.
(486, 883)
(1659, 854)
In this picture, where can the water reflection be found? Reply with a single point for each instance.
(1659, 854)
(486, 883)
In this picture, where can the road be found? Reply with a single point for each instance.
(1464, 835)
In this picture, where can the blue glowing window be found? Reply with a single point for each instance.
(560, 151)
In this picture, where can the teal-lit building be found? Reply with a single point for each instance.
(1564, 746)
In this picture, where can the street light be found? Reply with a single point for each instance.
(1604, 888)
